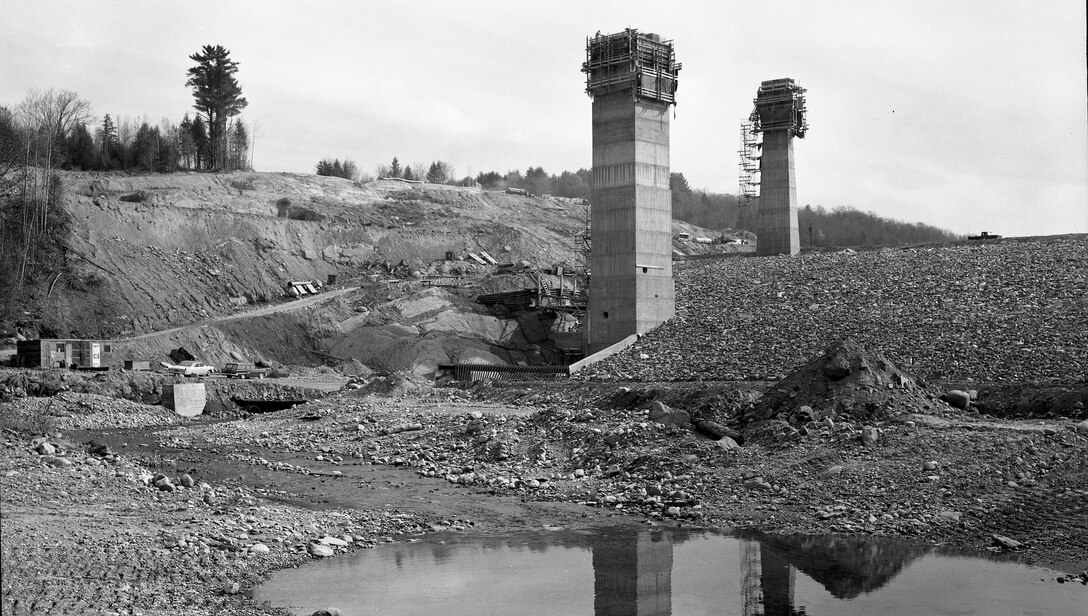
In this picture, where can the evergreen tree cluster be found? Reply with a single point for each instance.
(213, 140)
(139, 146)
(438, 172)
(536, 181)
(334, 168)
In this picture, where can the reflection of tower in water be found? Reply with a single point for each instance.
(768, 581)
(632, 575)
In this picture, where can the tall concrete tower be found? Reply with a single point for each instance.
(631, 77)
(780, 115)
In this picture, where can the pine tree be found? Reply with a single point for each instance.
(169, 146)
(200, 143)
(239, 142)
(186, 145)
(144, 148)
(437, 174)
(394, 168)
(218, 96)
(81, 148)
(350, 170)
(107, 143)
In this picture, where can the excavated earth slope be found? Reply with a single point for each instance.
(155, 252)
(201, 261)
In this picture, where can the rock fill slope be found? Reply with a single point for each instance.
(1011, 311)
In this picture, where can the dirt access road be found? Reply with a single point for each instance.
(301, 303)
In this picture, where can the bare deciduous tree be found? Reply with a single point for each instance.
(54, 113)
(29, 235)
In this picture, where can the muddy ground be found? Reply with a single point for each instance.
(87, 529)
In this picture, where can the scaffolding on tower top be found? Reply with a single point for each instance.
(780, 105)
(643, 64)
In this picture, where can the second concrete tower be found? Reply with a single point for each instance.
(632, 78)
(780, 115)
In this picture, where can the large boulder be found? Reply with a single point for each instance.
(717, 431)
(319, 550)
(957, 398)
(663, 414)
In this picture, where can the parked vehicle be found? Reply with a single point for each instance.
(244, 371)
(190, 368)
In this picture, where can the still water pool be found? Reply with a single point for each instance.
(636, 571)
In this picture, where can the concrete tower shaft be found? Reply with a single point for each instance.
(780, 115)
(632, 79)
(778, 232)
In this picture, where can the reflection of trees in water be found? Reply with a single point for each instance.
(442, 548)
(845, 566)
(442, 553)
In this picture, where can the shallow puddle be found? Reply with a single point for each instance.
(635, 571)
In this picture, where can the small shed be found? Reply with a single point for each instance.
(64, 353)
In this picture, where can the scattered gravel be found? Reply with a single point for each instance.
(75, 411)
(100, 535)
(1009, 311)
(89, 530)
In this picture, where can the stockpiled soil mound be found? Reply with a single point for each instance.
(1012, 311)
(846, 380)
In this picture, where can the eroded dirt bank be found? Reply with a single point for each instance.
(86, 529)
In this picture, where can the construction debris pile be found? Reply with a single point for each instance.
(845, 382)
(1013, 311)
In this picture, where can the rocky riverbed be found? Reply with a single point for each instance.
(117, 507)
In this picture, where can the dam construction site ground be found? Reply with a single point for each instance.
(171, 515)
(932, 392)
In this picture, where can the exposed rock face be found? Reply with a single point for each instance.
(184, 246)
(419, 331)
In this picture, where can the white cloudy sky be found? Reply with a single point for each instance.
(969, 115)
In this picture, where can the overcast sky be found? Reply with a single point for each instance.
(968, 115)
